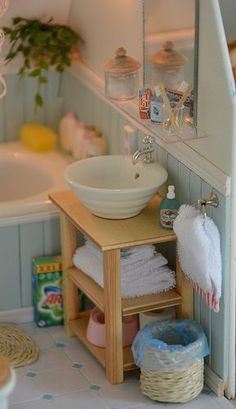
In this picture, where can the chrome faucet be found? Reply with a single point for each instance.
(146, 150)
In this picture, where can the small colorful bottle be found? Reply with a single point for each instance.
(169, 209)
(156, 106)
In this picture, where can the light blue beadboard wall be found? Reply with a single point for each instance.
(189, 187)
(18, 105)
(26, 241)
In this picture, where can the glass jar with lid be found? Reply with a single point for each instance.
(121, 76)
(168, 66)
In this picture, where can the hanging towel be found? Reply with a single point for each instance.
(199, 253)
(147, 275)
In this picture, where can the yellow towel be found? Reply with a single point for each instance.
(37, 138)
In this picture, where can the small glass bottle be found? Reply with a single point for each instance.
(169, 208)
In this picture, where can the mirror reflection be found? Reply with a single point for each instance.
(169, 21)
(169, 44)
(228, 10)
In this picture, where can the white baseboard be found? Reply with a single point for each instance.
(214, 382)
(18, 316)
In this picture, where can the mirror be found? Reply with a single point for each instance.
(165, 21)
(228, 10)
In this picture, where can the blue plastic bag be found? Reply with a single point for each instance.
(169, 345)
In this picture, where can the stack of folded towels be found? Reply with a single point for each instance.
(143, 270)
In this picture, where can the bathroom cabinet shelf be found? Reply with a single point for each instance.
(111, 236)
(79, 328)
(129, 306)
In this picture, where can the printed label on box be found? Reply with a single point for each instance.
(47, 291)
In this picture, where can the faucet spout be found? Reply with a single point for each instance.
(146, 151)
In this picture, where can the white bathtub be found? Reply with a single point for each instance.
(26, 178)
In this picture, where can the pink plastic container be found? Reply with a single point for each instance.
(96, 333)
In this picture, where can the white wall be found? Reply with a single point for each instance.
(42, 9)
(216, 89)
(168, 15)
(106, 25)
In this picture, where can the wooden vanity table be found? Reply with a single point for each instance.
(111, 236)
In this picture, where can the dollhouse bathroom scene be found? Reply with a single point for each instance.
(117, 204)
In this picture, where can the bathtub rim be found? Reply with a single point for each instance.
(36, 207)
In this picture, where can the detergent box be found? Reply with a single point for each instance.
(47, 291)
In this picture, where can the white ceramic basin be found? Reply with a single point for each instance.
(112, 186)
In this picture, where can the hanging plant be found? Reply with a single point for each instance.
(43, 45)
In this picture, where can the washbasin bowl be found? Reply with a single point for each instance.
(112, 187)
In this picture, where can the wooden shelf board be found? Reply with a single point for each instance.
(79, 328)
(150, 302)
(114, 234)
(88, 286)
(130, 306)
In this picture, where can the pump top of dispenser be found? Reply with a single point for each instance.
(121, 63)
(171, 192)
(168, 56)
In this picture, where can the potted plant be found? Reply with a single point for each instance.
(42, 45)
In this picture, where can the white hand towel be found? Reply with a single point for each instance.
(199, 253)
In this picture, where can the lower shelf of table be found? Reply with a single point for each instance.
(130, 306)
(79, 328)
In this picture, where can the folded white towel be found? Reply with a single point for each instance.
(199, 253)
(129, 255)
(142, 277)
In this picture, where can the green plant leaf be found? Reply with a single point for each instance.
(35, 73)
(42, 45)
(60, 68)
(44, 65)
(16, 20)
(21, 71)
(42, 80)
(38, 100)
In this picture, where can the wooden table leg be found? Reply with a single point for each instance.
(70, 290)
(113, 317)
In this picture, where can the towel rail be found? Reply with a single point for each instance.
(211, 201)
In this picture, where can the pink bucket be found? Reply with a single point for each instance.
(96, 332)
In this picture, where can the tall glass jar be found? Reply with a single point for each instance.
(168, 66)
(121, 76)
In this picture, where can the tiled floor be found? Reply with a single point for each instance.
(67, 376)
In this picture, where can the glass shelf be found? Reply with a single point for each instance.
(188, 132)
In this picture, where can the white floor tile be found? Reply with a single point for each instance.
(67, 376)
(50, 359)
(75, 400)
(25, 390)
(123, 396)
(61, 381)
(78, 353)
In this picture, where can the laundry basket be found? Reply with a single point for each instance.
(170, 354)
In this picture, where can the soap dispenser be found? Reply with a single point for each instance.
(169, 208)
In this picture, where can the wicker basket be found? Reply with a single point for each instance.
(178, 386)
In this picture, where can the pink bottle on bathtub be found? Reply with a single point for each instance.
(67, 128)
